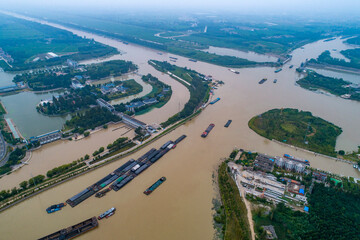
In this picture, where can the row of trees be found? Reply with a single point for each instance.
(199, 91)
(63, 169)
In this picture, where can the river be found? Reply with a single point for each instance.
(181, 207)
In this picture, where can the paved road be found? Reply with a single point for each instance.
(2, 151)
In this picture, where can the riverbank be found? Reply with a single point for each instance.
(333, 67)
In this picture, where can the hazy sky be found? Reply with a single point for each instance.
(336, 6)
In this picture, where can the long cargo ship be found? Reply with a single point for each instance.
(180, 139)
(228, 123)
(215, 101)
(278, 70)
(307, 162)
(73, 231)
(55, 208)
(108, 212)
(155, 186)
(208, 130)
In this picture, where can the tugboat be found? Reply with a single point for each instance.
(275, 80)
(55, 208)
(154, 186)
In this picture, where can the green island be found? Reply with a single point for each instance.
(29, 45)
(352, 54)
(232, 214)
(298, 128)
(158, 97)
(64, 77)
(353, 40)
(90, 119)
(81, 98)
(337, 86)
(195, 82)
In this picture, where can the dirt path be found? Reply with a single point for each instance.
(247, 204)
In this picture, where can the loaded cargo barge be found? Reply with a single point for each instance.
(307, 162)
(263, 80)
(208, 130)
(228, 123)
(155, 186)
(109, 212)
(124, 174)
(215, 101)
(73, 231)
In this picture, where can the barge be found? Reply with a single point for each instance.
(173, 58)
(263, 80)
(155, 186)
(180, 139)
(278, 70)
(73, 231)
(299, 160)
(107, 213)
(192, 60)
(215, 101)
(208, 130)
(55, 208)
(228, 123)
(102, 193)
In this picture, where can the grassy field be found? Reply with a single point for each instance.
(352, 54)
(297, 128)
(25, 41)
(236, 222)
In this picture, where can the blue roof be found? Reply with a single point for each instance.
(306, 209)
(302, 191)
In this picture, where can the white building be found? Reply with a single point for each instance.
(279, 162)
(289, 165)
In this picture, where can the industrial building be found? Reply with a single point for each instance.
(264, 163)
(47, 137)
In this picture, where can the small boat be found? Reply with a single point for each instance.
(55, 208)
(263, 80)
(291, 66)
(228, 123)
(275, 81)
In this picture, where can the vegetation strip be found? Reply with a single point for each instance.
(235, 219)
